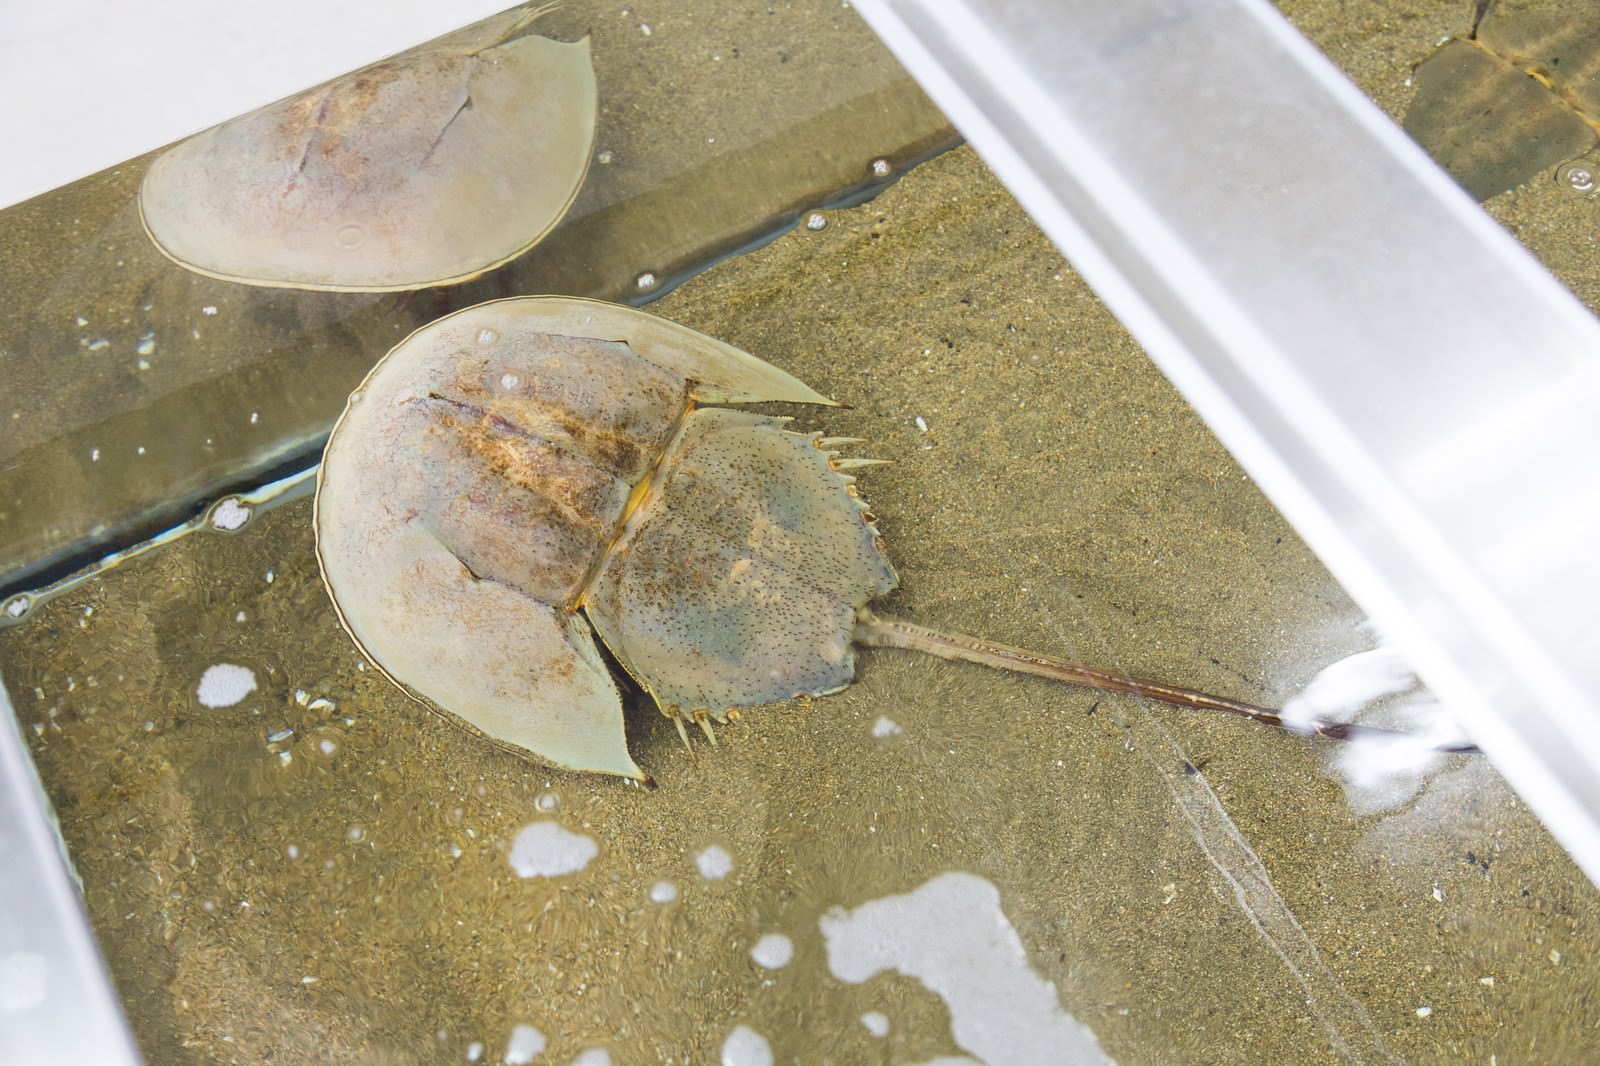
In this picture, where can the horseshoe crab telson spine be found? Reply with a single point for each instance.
(877, 632)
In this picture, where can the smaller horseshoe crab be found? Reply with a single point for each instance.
(425, 169)
(1512, 97)
(517, 477)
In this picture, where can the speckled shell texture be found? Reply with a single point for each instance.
(516, 466)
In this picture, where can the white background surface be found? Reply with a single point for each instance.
(86, 84)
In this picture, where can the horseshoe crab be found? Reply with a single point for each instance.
(425, 169)
(517, 477)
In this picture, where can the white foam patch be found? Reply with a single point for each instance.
(746, 1047)
(1350, 684)
(952, 936)
(714, 863)
(225, 684)
(230, 514)
(545, 849)
(663, 892)
(877, 1023)
(885, 727)
(1379, 773)
(525, 1043)
(24, 980)
(773, 951)
(595, 1056)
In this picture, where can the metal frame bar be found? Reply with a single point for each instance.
(57, 1003)
(1409, 386)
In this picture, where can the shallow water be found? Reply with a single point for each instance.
(326, 871)
(167, 388)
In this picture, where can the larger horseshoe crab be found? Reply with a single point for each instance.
(517, 477)
(425, 169)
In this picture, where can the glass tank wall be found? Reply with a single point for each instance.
(287, 859)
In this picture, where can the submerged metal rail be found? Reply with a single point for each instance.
(1408, 385)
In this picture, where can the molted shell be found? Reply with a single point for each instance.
(516, 466)
(425, 169)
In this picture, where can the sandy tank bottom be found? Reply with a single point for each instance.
(287, 860)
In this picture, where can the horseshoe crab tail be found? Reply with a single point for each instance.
(878, 632)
